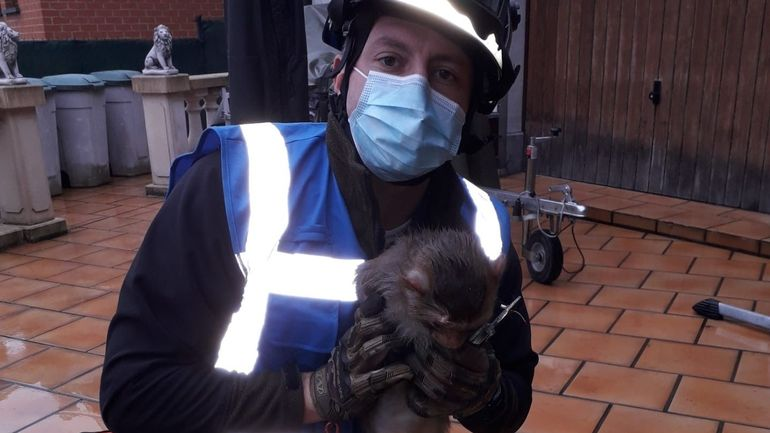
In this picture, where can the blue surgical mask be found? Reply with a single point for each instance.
(402, 128)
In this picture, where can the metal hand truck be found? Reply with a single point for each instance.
(541, 247)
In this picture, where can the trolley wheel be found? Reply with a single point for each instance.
(545, 258)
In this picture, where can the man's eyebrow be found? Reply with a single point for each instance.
(386, 41)
(390, 42)
(449, 58)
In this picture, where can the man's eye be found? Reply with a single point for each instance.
(444, 74)
(389, 61)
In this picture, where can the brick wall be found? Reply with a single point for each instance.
(109, 19)
(30, 24)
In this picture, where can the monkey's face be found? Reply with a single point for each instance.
(454, 303)
(439, 286)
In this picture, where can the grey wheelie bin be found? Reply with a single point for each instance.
(82, 129)
(46, 124)
(126, 132)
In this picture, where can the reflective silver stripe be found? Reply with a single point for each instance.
(269, 271)
(487, 225)
(296, 275)
(312, 277)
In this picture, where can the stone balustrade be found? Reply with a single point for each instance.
(177, 108)
(204, 95)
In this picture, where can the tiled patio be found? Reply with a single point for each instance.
(731, 228)
(621, 349)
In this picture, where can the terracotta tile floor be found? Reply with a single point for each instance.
(622, 350)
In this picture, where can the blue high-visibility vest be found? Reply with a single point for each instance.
(281, 228)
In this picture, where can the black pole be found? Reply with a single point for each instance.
(267, 60)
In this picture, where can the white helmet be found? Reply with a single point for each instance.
(485, 25)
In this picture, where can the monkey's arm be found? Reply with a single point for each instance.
(507, 411)
(174, 307)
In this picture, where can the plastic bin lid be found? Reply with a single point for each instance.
(38, 82)
(116, 78)
(66, 82)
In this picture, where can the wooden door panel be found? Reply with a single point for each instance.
(592, 63)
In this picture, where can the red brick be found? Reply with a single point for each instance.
(727, 268)
(552, 373)
(574, 415)
(676, 282)
(722, 400)
(660, 326)
(610, 383)
(562, 291)
(177, 14)
(575, 316)
(623, 419)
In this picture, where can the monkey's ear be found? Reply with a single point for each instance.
(498, 266)
(417, 280)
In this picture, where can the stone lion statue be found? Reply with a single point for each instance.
(9, 56)
(158, 60)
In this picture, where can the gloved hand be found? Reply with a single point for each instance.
(456, 382)
(355, 376)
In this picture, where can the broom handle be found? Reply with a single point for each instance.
(741, 315)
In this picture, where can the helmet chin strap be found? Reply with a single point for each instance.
(351, 51)
(344, 56)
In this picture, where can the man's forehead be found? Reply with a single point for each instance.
(398, 26)
(401, 34)
(388, 40)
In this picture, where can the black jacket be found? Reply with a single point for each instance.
(185, 284)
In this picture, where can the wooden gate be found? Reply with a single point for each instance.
(591, 65)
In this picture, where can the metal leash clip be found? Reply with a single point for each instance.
(488, 330)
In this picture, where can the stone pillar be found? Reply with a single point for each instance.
(164, 114)
(212, 105)
(26, 209)
(195, 104)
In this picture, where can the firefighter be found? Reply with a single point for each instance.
(239, 314)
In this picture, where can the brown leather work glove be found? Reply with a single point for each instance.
(456, 382)
(355, 374)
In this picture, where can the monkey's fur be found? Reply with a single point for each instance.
(438, 286)
(9, 53)
(159, 57)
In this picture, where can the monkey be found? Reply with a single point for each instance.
(439, 287)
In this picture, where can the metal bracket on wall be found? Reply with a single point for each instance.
(11, 8)
(655, 94)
